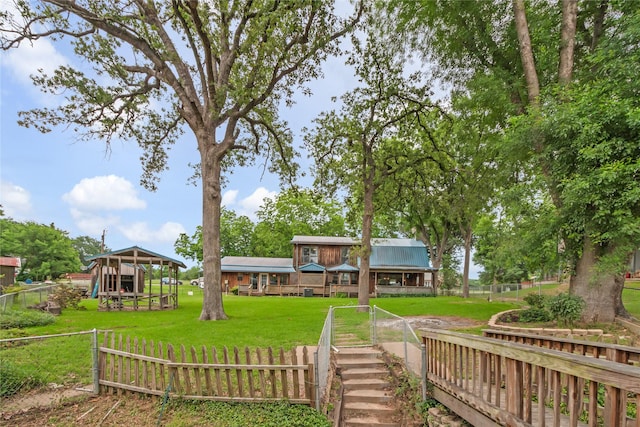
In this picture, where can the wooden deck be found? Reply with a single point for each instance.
(489, 381)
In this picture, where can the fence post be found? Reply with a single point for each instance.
(374, 330)
(423, 370)
(94, 358)
(316, 378)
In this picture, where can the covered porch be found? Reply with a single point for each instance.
(120, 280)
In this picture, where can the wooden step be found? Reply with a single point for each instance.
(366, 384)
(363, 373)
(367, 395)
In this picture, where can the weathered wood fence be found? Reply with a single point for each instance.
(614, 352)
(490, 381)
(130, 365)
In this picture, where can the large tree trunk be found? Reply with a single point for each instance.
(212, 308)
(602, 292)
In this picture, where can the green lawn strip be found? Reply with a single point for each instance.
(254, 322)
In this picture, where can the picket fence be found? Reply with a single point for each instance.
(132, 365)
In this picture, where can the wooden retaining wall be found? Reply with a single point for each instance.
(132, 365)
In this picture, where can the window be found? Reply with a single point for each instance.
(284, 279)
(344, 255)
(240, 277)
(273, 280)
(309, 254)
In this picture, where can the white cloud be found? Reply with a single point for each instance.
(252, 203)
(15, 200)
(27, 59)
(229, 198)
(249, 205)
(141, 232)
(93, 224)
(104, 193)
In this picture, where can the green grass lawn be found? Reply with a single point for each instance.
(253, 322)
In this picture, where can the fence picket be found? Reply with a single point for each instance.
(207, 372)
(145, 366)
(185, 371)
(174, 379)
(217, 371)
(153, 365)
(227, 371)
(120, 364)
(196, 371)
(295, 379)
(272, 373)
(283, 375)
(250, 373)
(261, 373)
(238, 372)
(127, 362)
(136, 363)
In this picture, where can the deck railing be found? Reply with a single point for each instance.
(489, 381)
(599, 350)
(260, 375)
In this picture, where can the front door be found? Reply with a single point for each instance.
(264, 280)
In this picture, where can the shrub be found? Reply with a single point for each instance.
(25, 319)
(534, 315)
(234, 290)
(535, 300)
(16, 378)
(565, 309)
(66, 296)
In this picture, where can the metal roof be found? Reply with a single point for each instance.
(399, 257)
(238, 264)
(324, 240)
(343, 268)
(136, 251)
(312, 267)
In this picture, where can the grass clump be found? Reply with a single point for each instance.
(16, 378)
(225, 414)
(17, 319)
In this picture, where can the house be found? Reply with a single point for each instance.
(121, 283)
(326, 266)
(396, 266)
(8, 270)
(256, 276)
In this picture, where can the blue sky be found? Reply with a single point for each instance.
(85, 188)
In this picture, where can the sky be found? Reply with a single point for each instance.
(87, 188)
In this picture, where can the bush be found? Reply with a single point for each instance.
(66, 296)
(25, 319)
(534, 315)
(234, 290)
(535, 300)
(16, 378)
(565, 309)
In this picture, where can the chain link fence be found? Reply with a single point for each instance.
(25, 298)
(500, 292)
(55, 364)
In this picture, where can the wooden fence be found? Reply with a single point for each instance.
(490, 381)
(613, 352)
(138, 366)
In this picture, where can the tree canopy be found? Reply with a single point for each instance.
(46, 251)
(219, 69)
